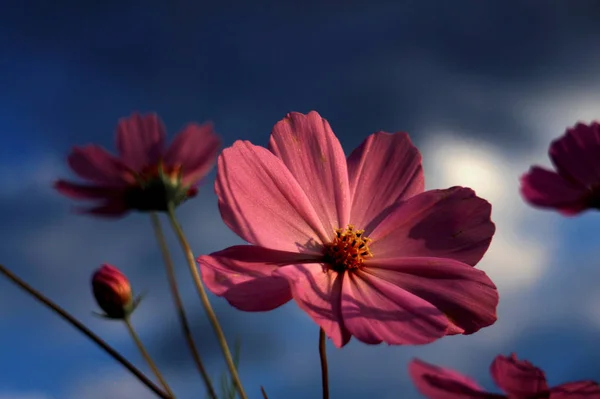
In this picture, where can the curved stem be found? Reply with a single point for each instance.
(147, 357)
(160, 237)
(324, 369)
(264, 393)
(84, 330)
(205, 302)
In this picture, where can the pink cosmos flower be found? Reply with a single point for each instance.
(356, 242)
(575, 186)
(518, 378)
(146, 175)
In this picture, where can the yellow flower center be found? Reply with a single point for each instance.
(348, 249)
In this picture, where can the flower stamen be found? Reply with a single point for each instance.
(348, 249)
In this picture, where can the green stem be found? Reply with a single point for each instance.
(147, 357)
(160, 237)
(84, 330)
(324, 369)
(205, 302)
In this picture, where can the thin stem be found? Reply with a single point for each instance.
(324, 370)
(147, 357)
(187, 332)
(264, 393)
(84, 330)
(205, 302)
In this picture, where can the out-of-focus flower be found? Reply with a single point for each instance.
(145, 176)
(113, 292)
(575, 186)
(519, 379)
(356, 242)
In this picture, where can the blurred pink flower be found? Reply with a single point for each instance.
(575, 186)
(518, 378)
(356, 242)
(146, 175)
(112, 292)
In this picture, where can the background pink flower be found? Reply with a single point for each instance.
(356, 242)
(145, 175)
(575, 186)
(518, 378)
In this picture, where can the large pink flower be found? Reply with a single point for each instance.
(356, 242)
(518, 378)
(575, 186)
(146, 175)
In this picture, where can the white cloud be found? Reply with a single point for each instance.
(112, 385)
(549, 112)
(116, 383)
(25, 176)
(453, 160)
(555, 108)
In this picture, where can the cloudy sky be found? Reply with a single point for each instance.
(481, 86)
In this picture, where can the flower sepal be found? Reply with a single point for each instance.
(128, 309)
(175, 191)
(158, 188)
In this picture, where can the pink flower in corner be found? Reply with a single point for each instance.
(518, 378)
(575, 186)
(356, 242)
(146, 175)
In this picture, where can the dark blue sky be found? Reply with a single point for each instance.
(481, 87)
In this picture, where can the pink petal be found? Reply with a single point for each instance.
(196, 149)
(80, 191)
(376, 311)
(242, 275)
(318, 293)
(307, 146)
(440, 383)
(452, 223)
(94, 163)
(518, 378)
(140, 140)
(260, 200)
(546, 189)
(575, 154)
(383, 170)
(576, 390)
(453, 329)
(465, 294)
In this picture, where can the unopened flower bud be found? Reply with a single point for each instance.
(112, 292)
